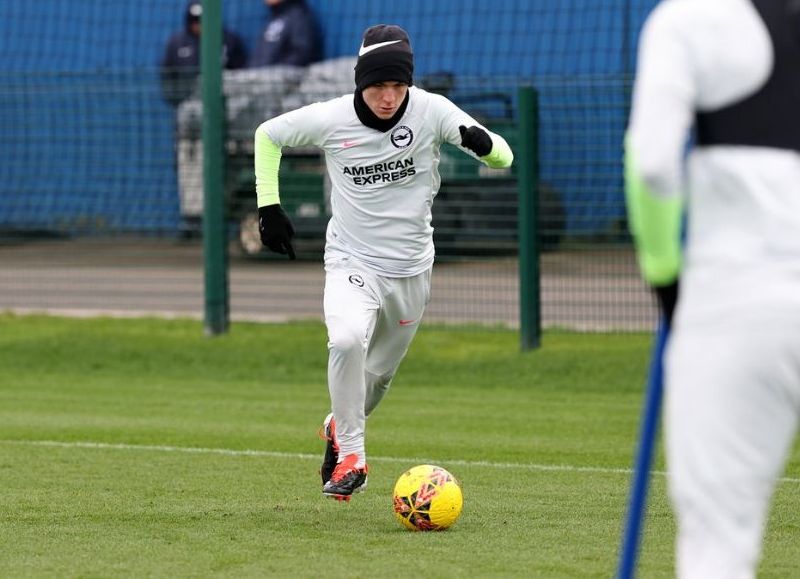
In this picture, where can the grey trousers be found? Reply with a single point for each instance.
(371, 320)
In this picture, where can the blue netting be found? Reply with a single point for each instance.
(87, 140)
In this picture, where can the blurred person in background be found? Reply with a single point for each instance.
(731, 69)
(290, 37)
(381, 148)
(180, 64)
(180, 71)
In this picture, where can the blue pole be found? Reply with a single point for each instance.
(637, 504)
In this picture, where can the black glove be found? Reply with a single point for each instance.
(276, 229)
(667, 298)
(476, 140)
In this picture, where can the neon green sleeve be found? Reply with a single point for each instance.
(500, 155)
(267, 163)
(655, 223)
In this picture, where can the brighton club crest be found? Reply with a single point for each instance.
(401, 137)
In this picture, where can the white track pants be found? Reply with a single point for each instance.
(732, 400)
(371, 321)
(190, 177)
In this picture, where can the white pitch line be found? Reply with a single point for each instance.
(303, 456)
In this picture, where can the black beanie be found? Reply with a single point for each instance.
(385, 55)
(194, 10)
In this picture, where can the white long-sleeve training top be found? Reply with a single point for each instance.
(743, 237)
(383, 183)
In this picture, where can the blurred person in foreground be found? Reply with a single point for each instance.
(180, 71)
(731, 69)
(290, 37)
(381, 148)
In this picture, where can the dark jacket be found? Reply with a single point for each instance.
(180, 65)
(290, 37)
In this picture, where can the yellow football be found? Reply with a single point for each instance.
(427, 498)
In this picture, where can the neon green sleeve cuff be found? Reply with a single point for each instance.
(500, 155)
(267, 164)
(655, 223)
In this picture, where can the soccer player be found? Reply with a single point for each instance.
(730, 68)
(381, 149)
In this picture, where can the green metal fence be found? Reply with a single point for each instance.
(97, 168)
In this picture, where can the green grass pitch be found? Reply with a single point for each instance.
(141, 448)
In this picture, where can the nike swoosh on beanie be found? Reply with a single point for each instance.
(366, 49)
